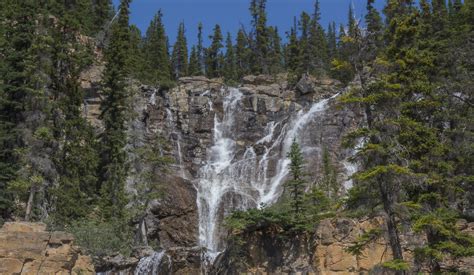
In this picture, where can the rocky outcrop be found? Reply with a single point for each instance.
(185, 118)
(27, 248)
(270, 251)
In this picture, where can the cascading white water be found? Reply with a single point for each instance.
(244, 181)
(350, 166)
(150, 264)
(172, 125)
(215, 180)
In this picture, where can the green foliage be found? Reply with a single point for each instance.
(397, 265)
(230, 65)
(179, 57)
(113, 114)
(101, 238)
(363, 240)
(155, 47)
(296, 184)
(214, 55)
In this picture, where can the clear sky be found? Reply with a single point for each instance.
(230, 14)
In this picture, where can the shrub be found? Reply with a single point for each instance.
(101, 238)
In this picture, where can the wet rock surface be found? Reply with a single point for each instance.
(185, 117)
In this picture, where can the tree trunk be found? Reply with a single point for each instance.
(29, 204)
(393, 237)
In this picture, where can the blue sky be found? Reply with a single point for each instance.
(230, 14)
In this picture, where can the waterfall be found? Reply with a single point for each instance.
(176, 135)
(230, 180)
(150, 264)
(215, 177)
(351, 167)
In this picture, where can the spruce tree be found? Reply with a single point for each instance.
(179, 57)
(306, 54)
(77, 159)
(260, 44)
(194, 65)
(332, 41)
(292, 57)
(23, 108)
(318, 44)
(213, 54)
(296, 185)
(113, 166)
(229, 68)
(200, 51)
(275, 55)
(156, 52)
(242, 54)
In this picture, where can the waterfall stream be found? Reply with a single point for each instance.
(241, 174)
(227, 182)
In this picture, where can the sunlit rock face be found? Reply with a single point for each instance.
(27, 248)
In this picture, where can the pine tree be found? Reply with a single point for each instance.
(77, 159)
(213, 54)
(136, 57)
(306, 54)
(113, 114)
(292, 57)
(229, 68)
(260, 45)
(179, 58)
(332, 41)
(194, 65)
(374, 38)
(102, 13)
(318, 44)
(297, 184)
(156, 52)
(200, 51)
(23, 108)
(242, 54)
(275, 55)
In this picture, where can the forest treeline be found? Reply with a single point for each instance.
(410, 71)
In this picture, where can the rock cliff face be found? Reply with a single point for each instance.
(229, 147)
(325, 251)
(26, 248)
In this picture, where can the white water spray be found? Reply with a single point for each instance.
(228, 182)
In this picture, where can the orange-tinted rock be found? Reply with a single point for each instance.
(26, 248)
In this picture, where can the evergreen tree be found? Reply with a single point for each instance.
(374, 38)
(200, 51)
(297, 184)
(242, 54)
(261, 43)
(194, 65)
(318, 44)
(156, 52)
(113, 114)
(23, 108)
(305, 51)
(275, 55)
(77, 159)
(213, 54)
(292, 57)
(179, 58)
(102, 13)
(136, 57)
(332, 41)
(329, 177)
(229, 68)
